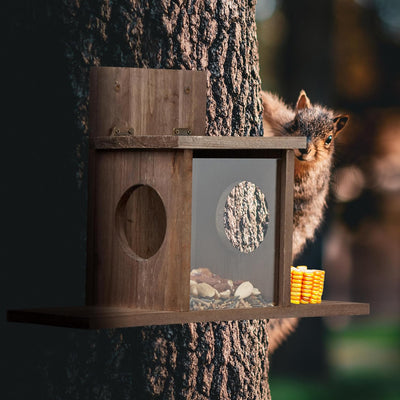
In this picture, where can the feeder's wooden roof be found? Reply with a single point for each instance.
(197, 142)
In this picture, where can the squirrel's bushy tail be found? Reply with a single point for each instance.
(275, 115)
(278, 330)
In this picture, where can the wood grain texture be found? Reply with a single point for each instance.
(197, 142)
(142, 221)
(118, 276)
(284, 227)
(148, 101)
(118, 317)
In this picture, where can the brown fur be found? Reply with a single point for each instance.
(313, 165)
(275, 115)
(278, 330)
(312, 171)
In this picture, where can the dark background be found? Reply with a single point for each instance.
(43, 204)
(346, 55)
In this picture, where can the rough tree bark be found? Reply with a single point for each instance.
(195, 361)
(216, 36)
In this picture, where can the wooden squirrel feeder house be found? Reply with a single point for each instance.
(182, 227)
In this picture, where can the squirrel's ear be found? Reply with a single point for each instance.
(340, 122)
(303, 101)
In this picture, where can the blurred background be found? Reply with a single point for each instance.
(346, 55)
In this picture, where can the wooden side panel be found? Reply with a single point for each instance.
(117, 275)
(284, 227)
(151, 101)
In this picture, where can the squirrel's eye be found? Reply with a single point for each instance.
(328, 140)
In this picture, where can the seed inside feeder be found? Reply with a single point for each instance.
(209, 291)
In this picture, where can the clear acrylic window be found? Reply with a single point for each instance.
(233, 233)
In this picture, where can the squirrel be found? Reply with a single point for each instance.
(312, 173)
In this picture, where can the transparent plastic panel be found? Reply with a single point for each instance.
(233, 233)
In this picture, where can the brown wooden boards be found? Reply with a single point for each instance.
(197, 142)
(119, 317)
(284, 228)
(146, 127)
(123, 272)
(140, 102)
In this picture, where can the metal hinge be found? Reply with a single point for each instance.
(182, 131)
(115, 131)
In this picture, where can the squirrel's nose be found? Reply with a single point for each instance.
(305, 151)
(308, 147)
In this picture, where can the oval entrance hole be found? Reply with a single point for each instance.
(141, 221)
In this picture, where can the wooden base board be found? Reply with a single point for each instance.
(95, 317)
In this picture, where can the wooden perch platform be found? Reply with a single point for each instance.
(97, 317)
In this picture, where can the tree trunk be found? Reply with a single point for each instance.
(216, 36)
(194, 361)
(204, 360)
